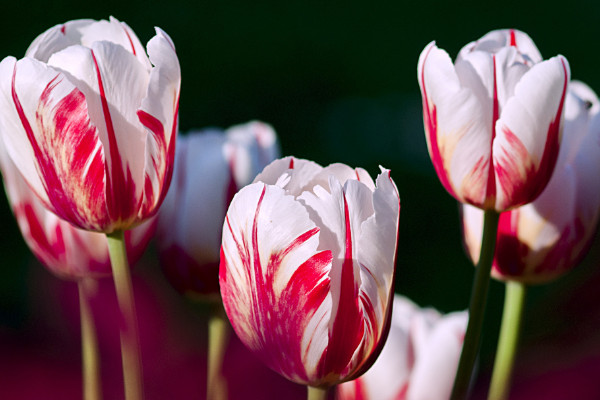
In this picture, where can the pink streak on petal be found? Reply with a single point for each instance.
(430, 122)
(120, 199)
(348, 327)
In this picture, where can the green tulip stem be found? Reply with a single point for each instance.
(218, 334)
(130, 348)
(512, 317)
(477, 306)
(315, 393)
(89, 342)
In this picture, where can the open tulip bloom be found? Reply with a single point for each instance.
(419, 359)
(493, 119)
(90, 121)
(307, 267)
(210, 167)
(544, 239)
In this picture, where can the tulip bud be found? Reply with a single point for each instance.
(493, 119)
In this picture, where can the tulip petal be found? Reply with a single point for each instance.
(458, 131)
(114, 83)
(523, 161)
(57, 38)
(116, 32)
(274, 282)
(44, 114)
(159, 113)
(438, 358)
(301, 173)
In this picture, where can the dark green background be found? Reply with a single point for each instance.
(338, 83)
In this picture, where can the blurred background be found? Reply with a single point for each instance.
(338, 84)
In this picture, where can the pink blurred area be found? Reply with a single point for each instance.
(42, 358)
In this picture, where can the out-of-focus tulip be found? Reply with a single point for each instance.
(210, 167)
(493, 119)
(419, 359)
(307, 267)
(67, 251)
(90, 121)
(544, 239)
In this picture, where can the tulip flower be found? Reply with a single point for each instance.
(419, 359)
(542, 240)
(90, 121)
(307, 267)
(493, 119)
(67, 251)
(210, 167)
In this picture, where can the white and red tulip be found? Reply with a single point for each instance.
(90, 121)
(542, 240)
(419, 359)
(493, 119)
(67, 251)
(307, 268)
(210, 167)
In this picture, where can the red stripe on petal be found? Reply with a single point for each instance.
(431, 130)
(130, 41)
(120, 197)
(347, 330)
(513, 38)
(490, 192)
(291, 166)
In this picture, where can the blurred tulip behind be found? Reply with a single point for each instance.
(337, 84)
(210, 167)
(423, 347)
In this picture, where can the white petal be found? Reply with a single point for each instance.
(458, 130)
(57, 38)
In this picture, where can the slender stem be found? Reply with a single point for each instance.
(477, 306)
(89, 342)
(512, 317)
(130, 348)
(315, 393)
(218, 334)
